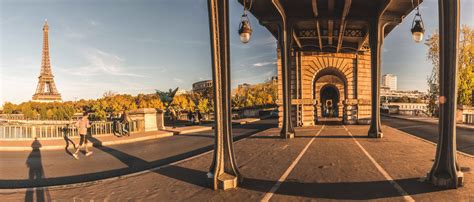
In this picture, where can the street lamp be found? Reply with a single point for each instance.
(245, 30)
(417, 26)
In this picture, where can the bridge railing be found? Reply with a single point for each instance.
(54, 131)
(468, 118)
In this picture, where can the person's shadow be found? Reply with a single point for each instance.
(36, 172)
(67, 140)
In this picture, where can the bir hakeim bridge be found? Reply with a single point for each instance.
(329, 66)
(329, 144)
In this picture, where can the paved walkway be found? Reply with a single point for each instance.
(20, 169)
(330, 163)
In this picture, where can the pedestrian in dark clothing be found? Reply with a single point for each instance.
(199, 115)
(173, 116)
(117, 126)
(126, 120)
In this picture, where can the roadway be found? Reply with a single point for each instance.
(58, 167)
(429, 131)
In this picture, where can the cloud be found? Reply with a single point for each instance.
(177, 80)
(94, 23)
(263, 64)
(101, 62)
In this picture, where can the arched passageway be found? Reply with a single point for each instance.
(329, 98)
(330, 91)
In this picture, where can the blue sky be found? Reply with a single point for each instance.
(138, 46)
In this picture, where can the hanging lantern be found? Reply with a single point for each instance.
(245, 30)
(417, 27)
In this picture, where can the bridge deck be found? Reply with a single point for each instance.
(340, 163)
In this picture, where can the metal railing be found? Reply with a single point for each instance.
(468, 118)
(54, 131)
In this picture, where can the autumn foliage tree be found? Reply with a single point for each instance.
(255, 96)
(465, 72)
(110, 104)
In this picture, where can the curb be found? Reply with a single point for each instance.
(203, 128)
(457, 125)
(81, 184)
(108, 143)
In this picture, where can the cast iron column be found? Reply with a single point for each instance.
(223, 173)
(376, 41)
(285, 31)
(445, 171)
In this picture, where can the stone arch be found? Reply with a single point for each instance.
(320, 64)
(334, 72)
(316, 65)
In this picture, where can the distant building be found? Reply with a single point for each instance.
(204, 87)
(390, 81)
(390, 95)
(411, 109)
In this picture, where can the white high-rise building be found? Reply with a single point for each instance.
(390, 81)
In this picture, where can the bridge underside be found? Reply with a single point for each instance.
(324, 49)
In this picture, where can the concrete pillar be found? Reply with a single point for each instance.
(284, 40)
(376, 36)
(224, 173)
(160, 120)
(445, 172)
(147, 117)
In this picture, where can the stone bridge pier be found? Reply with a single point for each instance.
(328, 85)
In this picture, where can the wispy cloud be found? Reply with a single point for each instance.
(256, 78)
(94, 23)
(263, 64)
(178, 80)
(101, 62)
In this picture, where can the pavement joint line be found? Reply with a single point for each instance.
(81, 184)
(429, 142)
(277, 185)
(387, 176)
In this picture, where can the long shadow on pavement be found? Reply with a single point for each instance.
(366, 190)
(35, 173)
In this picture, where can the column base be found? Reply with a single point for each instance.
(288, 135)
(445, 181)
(375, 134)
(224, 181)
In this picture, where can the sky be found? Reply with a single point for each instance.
(138, 46)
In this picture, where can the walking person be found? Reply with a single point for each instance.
(173, 116)
(116, 126)
(199, 116)
(83, 125)
(125, 119)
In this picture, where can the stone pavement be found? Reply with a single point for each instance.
(332, 163)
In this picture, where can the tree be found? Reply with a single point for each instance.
(465, 71)
(204, 105)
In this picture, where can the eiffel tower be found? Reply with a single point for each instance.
(46, 90)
